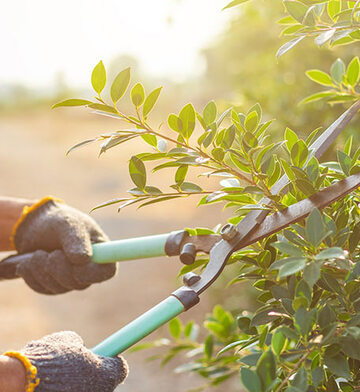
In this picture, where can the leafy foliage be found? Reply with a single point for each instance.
(304, 334)
(327, 22)
(343, 82)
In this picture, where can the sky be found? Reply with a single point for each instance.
(42, 38)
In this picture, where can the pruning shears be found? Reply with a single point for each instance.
(255, 226)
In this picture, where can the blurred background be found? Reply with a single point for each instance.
(198, 53)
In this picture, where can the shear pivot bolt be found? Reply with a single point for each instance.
(188, 254)
(228, 232)
(190, 278)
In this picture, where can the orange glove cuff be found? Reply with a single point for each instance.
(26, 211)
(32, 381)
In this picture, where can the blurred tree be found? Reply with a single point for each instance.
(242, 68)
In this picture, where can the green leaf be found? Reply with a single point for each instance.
(250, 139)
(288, 45)
(345, 162)
(218, 153)
(181, 174)
(84, 143)
(251, 121)
(348, 147)
(174, 122)
(115, 140)
(353, 71)
(250, 380)
(209, 113)
(222, 117)
(315, 228)
(150, 101)
(291, 138)
(324, 37)
(159, 200)
(103, 108)
(350, 347)
(296, 9)
(312, 273)
(338, 365)
(190, 187)
(175, 328)
(320, 77)
(304, 320)
(244, 324)
(150, 139)
(187, 117)
(137, 172)
(330, 253)
(266, 368)
(209, 346)
(234, 4)
(120, 85)
(337, 70)
(299, 153)
(98, 77)
(292, 266)
(300, 381)
(333, 8)
(288, 248)
(72, 102)
(316, 97)
(137, 95)
(318, 376)
(278, 342)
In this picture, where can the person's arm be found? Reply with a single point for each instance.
(12, 375)
(57, 239)
(60, 362)
(10, 211)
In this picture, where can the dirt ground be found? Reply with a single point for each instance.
(33, 164)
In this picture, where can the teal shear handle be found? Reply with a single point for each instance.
(129, 249)
(140, 327)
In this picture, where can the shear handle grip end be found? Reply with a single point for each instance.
(9, 265)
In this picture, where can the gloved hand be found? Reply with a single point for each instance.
(60, 239)
(60, 362)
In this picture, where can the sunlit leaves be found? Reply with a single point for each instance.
(299, 153)
(187, 117)
(296, 9)
(137, 94)
(289, 45)
(337, 70)
(250, 380)
(315, 229)
(103, 108)
(150, 101)
(342, 81)
(278, 342)
(137, 172)
(353, 71)
(175, 328)
(120, 85)
(98, 77)
(319, 77)
(209, 113)
(251, 121)
(266, 369)
(72, 102)
(234, 3)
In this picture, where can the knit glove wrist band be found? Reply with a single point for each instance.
(58, 239)
(64, 364)
(32, 381)
(27, 210)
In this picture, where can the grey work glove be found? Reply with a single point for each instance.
(64, 364)
(59, 238)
